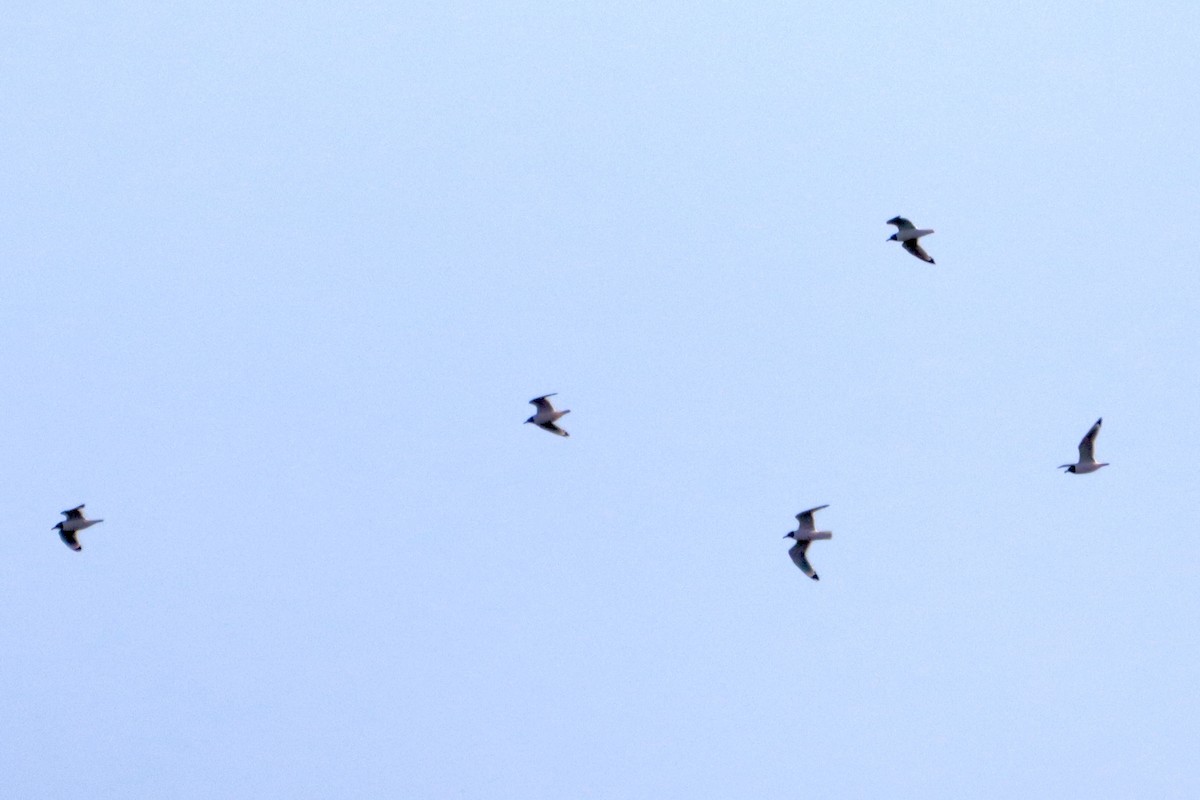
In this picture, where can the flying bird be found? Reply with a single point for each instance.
(908, 235)
(805, 535)
(546, 415)
(73, 524)
(1087, 453)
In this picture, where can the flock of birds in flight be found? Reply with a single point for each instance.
(546, 417)
(909, 235)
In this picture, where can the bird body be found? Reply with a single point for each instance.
(1087, 453)
(75, 522)
(915, 233)
(546, 415)
(805, 534)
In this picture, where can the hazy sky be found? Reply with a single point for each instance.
(280, 279)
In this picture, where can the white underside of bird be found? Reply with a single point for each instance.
(542, 417)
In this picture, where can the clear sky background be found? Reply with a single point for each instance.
(280, 279)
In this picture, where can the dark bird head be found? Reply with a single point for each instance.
(1067, 467)
(892, 238)
(816, 577)
(529, 420)
(790, 535)
(57, 527)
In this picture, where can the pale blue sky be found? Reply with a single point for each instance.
(280, 279)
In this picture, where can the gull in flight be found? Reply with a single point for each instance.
(546, 415)
(908, 235)
(73, 524)
(804, 536)
(1087, 453)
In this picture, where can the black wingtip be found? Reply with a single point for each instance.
(816, 577)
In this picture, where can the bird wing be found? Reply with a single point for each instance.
(1087, 446)
(797, 552)
(550, 426)
(914, 246)
(74, 513)
(900, 222)
(542, 404)
(807, 525)
(70, 540)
